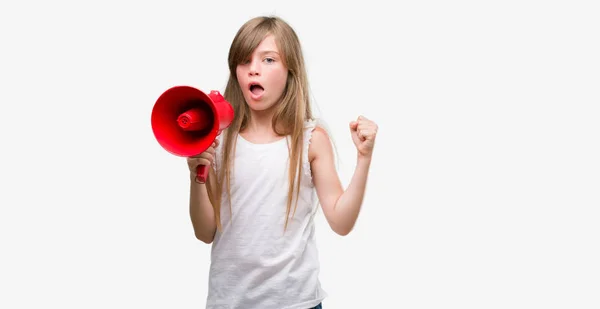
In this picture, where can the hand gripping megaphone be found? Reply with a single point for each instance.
(186, 121)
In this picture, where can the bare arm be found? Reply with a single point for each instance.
(340, 207)
(201, 212)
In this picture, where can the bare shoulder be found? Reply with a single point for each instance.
(320, 143)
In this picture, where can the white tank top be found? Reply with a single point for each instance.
(253, 263)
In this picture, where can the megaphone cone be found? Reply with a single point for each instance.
(186, 121)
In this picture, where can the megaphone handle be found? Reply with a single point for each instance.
(202, 173)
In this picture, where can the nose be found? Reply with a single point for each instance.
(254, 69)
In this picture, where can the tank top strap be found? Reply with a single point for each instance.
(309, 127)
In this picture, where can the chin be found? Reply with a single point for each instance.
(260, 105)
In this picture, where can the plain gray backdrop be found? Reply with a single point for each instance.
(484, 187)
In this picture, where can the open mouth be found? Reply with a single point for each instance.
(256, 89)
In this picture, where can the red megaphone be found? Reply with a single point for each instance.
(186, 121)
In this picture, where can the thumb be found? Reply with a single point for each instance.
(353, 125)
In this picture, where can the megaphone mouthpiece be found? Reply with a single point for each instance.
(194, 119)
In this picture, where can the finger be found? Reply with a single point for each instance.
(367, 126)
(203, 161)
(211, 150)
(363, 126)
(367, 134)
(353, 125)
(361, 135)
(368, 130)
(208, 156)
(365, 121)
(205, 155)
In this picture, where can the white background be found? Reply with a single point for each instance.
(485, 186)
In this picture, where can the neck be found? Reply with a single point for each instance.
(260, 123)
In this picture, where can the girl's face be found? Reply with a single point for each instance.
(263, 76)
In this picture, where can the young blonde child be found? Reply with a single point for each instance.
(269, 172)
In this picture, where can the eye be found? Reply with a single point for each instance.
(269, 60)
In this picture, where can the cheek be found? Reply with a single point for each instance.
(238, 73)
(240, 83)
(281, 80)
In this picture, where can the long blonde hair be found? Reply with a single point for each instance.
(292, 110)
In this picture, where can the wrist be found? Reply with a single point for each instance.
(365, 160)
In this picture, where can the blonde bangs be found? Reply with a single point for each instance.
(246, 41)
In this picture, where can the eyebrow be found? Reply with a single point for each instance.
(267, 52)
